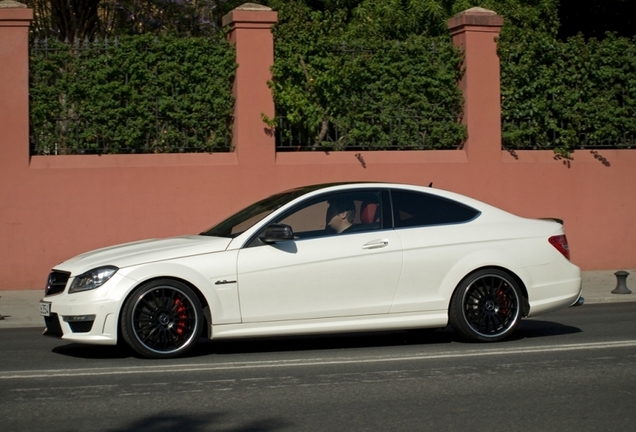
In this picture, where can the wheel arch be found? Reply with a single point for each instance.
(486, 259)
(207, 314)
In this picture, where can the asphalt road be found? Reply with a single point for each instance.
(574, 370)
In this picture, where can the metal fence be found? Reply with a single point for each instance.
(72, 139)
(531, 134)
(387, 133)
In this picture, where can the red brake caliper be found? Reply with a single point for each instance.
(502, 302)
(181, 315)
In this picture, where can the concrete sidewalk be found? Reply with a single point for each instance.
(20, 308)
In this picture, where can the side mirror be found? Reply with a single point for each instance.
(275, 233)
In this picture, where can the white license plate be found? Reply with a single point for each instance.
(45, 309)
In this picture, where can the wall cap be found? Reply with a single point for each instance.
(251, 14)
(252, 7)
(475, 16)
(10, 4)
(478, 10)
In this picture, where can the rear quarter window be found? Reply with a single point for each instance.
(412, 209)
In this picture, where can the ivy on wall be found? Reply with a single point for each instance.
(337, 90)
(564, 95)
(136, 94)
(348, 74)
(569, 95)
(558, 95)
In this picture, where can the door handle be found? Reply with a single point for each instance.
(376, 244)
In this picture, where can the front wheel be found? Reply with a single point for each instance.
(162, 319)
(486, 306)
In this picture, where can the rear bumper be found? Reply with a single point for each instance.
(558, 286)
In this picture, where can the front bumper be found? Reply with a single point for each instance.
(83, 323)
(87, 317)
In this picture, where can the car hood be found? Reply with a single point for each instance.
(129, 254)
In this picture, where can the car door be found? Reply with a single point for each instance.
(320, 273)
(435, 234)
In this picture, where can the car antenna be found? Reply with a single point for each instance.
(430, 184)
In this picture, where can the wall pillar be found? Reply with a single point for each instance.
(250, 31)
(15, 19)
(475, 31)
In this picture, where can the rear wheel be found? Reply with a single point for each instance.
(162, 319)
(486, 306)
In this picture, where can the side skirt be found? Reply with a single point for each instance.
(401, 321)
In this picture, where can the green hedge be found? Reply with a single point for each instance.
(338, 83)
(137, 94)
(559, 95)
(568, 95)
(336, 91)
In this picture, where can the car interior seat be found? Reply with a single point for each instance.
(369, 213)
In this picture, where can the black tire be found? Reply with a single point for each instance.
(486, 306)
(162, 319)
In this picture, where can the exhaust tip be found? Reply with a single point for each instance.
(579, 302)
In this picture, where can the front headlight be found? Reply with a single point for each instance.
(92, 279)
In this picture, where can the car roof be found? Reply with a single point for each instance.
(336, 186)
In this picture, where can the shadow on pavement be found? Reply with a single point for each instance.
(532, 328)
(93, 351)
(325, 342)
(527, 329)
(194, 423)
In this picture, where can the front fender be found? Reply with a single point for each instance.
(201, 272)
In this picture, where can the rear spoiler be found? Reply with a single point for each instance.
(553, 219)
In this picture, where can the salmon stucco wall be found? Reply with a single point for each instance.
(54, 207)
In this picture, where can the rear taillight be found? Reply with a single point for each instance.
(560, 242)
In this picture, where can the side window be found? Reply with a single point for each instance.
(411, 209)
(308, 220)
(332, 214)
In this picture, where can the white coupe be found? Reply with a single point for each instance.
(320, 259)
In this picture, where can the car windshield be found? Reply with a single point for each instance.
(246, 218)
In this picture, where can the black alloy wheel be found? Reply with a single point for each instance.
(162, 319)
(486, 306)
